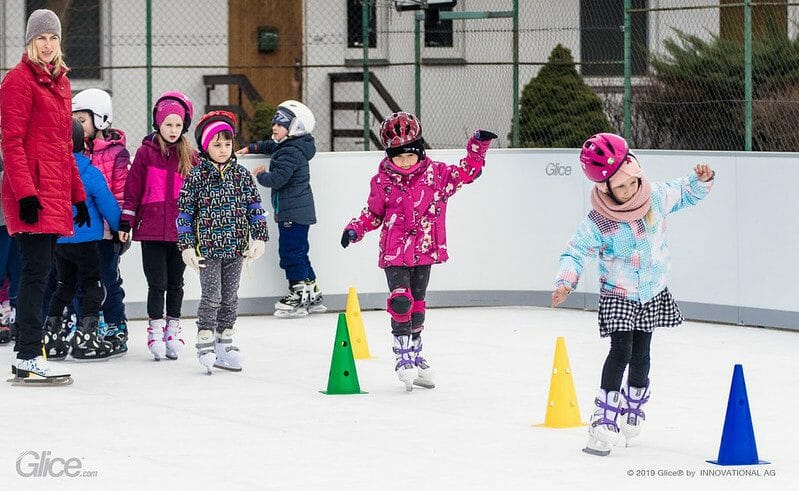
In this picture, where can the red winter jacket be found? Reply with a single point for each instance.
(36, 118)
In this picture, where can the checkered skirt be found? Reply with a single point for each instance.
(619, 314)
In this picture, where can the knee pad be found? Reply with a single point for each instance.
(418, 308)
(399, 304)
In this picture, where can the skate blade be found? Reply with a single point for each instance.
(424, 383)
(228, 368)
(36, 381)
(317, 309)
(291, 314)
(86, 360)
(171, 356)
(598, 453)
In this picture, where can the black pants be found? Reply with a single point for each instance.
(627, 348)
(37, 256)
(416, 280)
(163, 268)
(78, 264)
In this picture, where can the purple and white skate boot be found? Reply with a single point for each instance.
(603, 432)
(634, 417)
(405, 368)
(425, 371)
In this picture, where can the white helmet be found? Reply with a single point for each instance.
(303, 121)
(97, 102)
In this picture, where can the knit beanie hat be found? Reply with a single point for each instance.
(167, 107)
(630, 168)
(283, 117)
(211, 130)
(40, 22)
(415, 147)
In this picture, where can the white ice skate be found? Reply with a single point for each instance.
(633, 400)
(425, 371)
(173, 338)
(38, 371)
(405, 369)
(315, 298)
(205, 349)
(228, 356)
(155, 338)
(603, 432)
(295, 304)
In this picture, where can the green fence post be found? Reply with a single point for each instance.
(417, 68)
(149, 54)
(627, 69)
(365, 39)
(515, 135)
(748, 75)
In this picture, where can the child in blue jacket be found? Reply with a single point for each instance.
(77, 260)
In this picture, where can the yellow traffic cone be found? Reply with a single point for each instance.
(360, 348)
(562, 409)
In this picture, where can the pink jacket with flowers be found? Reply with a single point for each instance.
(110, 155)
(413, 208)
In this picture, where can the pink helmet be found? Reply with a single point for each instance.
(602, 155)
(183, 100)
(400, 128)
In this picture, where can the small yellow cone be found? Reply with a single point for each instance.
(562, 409)
(360, 348)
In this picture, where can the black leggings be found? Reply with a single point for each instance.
(415, 279)
(627, 347)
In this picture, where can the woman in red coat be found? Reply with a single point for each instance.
(41, 180)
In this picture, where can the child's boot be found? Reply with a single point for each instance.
(228, 356)
(634, 399)
(314, 297)
(295, 304)
(155, 338)
(405, 368)
(86, 342)
(425, 371)
(173, 337)
(205, 348)
(56, 344)
(603, 432)
(117, 335)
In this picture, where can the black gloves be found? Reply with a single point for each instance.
(29, 207)
(124, 226)
(484, 135)
(348, 236)
(82, 216)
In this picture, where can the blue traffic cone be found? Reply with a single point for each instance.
(738, 438)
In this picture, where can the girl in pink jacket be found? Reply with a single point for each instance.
(408, 197)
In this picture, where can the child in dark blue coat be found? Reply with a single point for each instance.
(289, 178)
(77, 260)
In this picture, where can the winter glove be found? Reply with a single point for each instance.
(484, 135)
(192, 260)
(82, 216)
(29, 207)
(124, 226)
(255, 251)
(348, 236)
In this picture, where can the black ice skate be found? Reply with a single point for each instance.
(56, 338)
(295, 304)
(87, 344)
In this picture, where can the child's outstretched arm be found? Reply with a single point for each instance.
(262, 146)
(471, 166)
(585, 243)
(690, 190)
(371, 217)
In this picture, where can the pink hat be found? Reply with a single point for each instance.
(166, 107)
(211, 130)
(630, 168)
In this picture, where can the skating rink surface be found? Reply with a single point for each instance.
(133, 423)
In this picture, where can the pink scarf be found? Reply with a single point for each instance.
(634, 209)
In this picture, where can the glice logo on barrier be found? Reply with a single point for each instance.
(41, 464)
(557, 169)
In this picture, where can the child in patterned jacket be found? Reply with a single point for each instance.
(626, 229)
(409, 197)
(221, 224)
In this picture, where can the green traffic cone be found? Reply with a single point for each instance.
(343, 378)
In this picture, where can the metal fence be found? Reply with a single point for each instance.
(683, 74)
